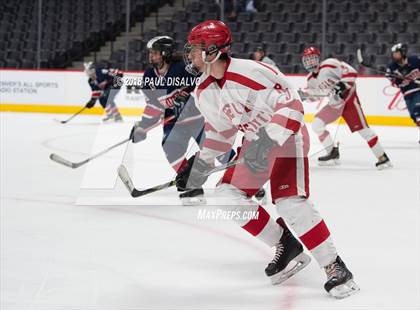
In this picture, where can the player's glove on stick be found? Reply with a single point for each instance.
(91, 103)
(137, 133)
(192, 175)
(340, 89)
(256, 156)
(394, 76)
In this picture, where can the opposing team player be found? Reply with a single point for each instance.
(253, 97)
(337, 79)
(403, 72)
(105, 83)
(166, 86)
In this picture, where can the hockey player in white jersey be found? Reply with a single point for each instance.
(255, 98)
(337, 79)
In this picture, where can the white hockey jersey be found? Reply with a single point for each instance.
(331, 71)
(251, 95)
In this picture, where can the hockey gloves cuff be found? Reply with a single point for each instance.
(137, 133)
(91, 103)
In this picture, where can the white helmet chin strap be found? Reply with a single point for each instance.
(209, 63)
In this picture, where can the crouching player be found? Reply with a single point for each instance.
(338, 80)
(257, 99)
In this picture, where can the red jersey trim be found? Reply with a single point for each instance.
(216, 145)
(203, 85)
(225, 133)
(327, 66)
(268, 67)
(243, 80)
(285, 122)
(351, 74)
(294, 105)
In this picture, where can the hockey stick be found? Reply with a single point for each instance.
(73, 165)
(364, 64)
(71, 117)
(134, 192)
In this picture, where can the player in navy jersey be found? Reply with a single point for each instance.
(166, 86)
(105, 83)
(404, 72)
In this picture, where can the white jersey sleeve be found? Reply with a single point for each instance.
(220, 133)
(252, 95)
(286, 109)
(331, 71)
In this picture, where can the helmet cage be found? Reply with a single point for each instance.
(310, 62)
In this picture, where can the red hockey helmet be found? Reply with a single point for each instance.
(212, 36)
(311, 58)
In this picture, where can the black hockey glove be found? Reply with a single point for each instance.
(340, 89)
(256, 156)
(191, 176)
(394, 76)
(137, 133)
(91, 103)
(179, 104)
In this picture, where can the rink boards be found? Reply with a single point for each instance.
(64, 91)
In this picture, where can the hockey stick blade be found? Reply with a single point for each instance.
(59, 121)
(71, 117)
(125, 178)
(137, 193)
(60, 160)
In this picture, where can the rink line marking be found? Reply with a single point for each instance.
(55, 109)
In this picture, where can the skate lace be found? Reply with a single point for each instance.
(279, 253)
(333, 270)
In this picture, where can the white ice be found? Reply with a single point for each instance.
(64, 247)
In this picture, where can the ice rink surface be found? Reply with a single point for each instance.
(65, 247)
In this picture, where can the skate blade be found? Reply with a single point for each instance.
(344, 290)
(384, 166)
(329, 163)
(193, 201)
(300, 262)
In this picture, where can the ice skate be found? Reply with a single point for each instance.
(193, 197)
(118, 118)
(288, 260)
(108, 118)
(384, 162)
(331, 159)
(340, 283)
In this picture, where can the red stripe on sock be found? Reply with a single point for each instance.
(255, 226)
(315, 236)
(372, 142)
